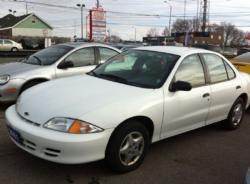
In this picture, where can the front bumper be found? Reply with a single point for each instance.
(9, 92)
(57, 146)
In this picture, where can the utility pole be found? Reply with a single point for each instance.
(81, 6)
(170, 17)
(204, 20)
(97, 3)
(26, 7)
(185, 7)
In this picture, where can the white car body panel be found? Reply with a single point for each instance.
(107, 104)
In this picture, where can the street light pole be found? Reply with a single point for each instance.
(81, 6)
(26, 6)
(185, 7)
(170, 17)
(135, 34)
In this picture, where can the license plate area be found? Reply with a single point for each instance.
(15, 135)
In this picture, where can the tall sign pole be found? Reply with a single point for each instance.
(90, 25)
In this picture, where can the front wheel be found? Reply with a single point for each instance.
(127, 147)
(236, 115)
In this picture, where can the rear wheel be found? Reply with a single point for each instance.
(236, 115)
(14, 49)
(127, 147)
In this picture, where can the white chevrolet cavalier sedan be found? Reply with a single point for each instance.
(136, 98)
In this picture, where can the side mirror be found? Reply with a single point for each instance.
(180, 86)
(65, 65)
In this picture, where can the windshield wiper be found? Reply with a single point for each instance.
(114, 77)
(38, 59)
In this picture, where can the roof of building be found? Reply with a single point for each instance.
(9, 21)
(181, 51)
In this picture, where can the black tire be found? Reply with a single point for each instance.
(29, 85)
(113, 155)
(233, 121)
(14, 49)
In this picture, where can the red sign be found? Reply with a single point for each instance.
(97, 24)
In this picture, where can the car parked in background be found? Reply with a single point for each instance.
(229, 52)
(54, 62)
(242, 62)
(29, 44)
(134, 99)
(9, 45)
(125, 47)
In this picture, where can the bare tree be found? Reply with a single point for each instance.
(115, 39)
(181, 26)
(153, 32)
(165, 31)
(232, 35)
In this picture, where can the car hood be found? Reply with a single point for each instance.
(73, 97)
(16, 68)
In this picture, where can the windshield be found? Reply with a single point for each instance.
(140, 68)
(243, 58)
(48, 56)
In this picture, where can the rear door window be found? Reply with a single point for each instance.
(106, 53)
(8, 42)
(216, 68)
(82, 57)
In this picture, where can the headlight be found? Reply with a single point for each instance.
(4, 79)
(73, 126)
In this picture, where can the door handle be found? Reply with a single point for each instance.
(205, 95)
(238, 87)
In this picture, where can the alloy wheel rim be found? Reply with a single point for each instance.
(131, 148)
(237, 114)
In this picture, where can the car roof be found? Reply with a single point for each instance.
(181, 51)
(87, 44)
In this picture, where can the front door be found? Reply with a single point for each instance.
(187, 110)
(83, 61)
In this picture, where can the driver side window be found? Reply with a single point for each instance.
(82, 57)
(191, 70)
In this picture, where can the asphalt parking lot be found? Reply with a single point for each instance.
(207, 155)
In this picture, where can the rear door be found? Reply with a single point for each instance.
(7, 45)
(83, 60)
(224, 85)
(1, 45)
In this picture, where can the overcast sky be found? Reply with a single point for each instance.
(66, 22)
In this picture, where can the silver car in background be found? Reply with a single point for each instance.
(54, 62)
(10, 45)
